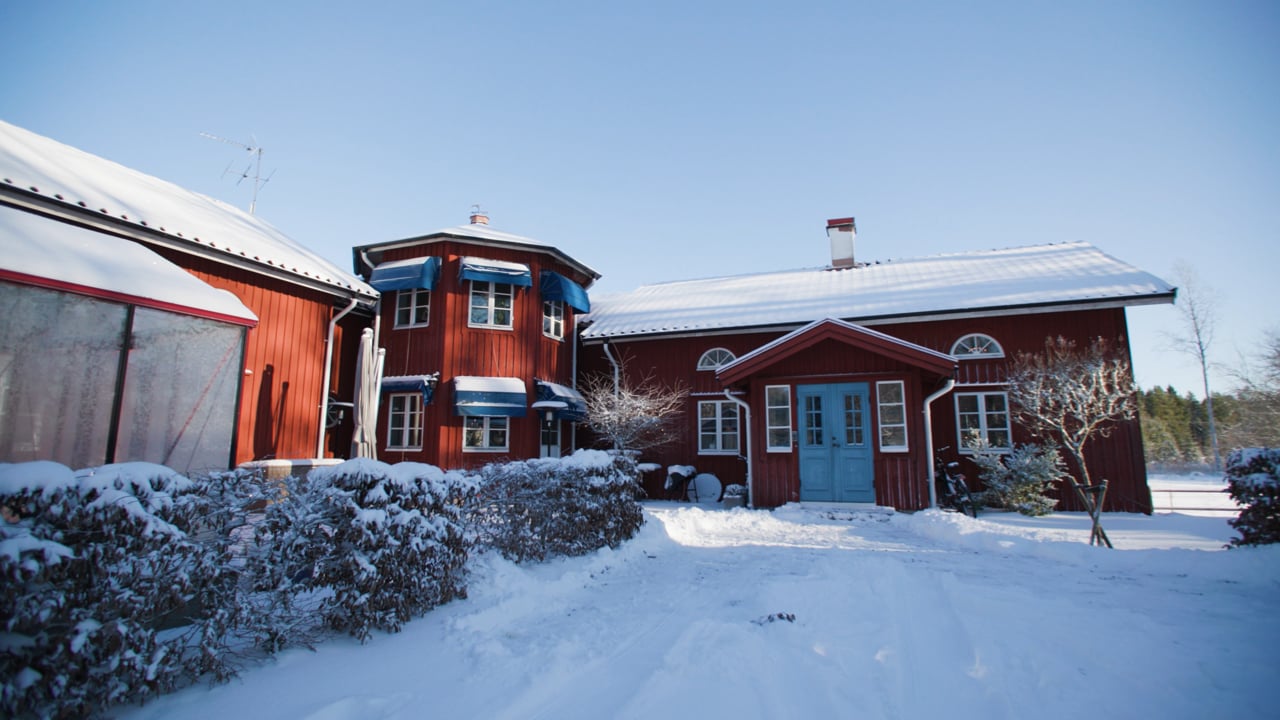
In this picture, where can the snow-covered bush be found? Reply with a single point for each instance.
(1253, 480)
(735, 490)
(95, 564)
(535, 509)
(363, 545)
(1019, 479)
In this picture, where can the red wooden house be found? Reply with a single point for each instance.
(835, 384)
(478, 329)
(236, 361)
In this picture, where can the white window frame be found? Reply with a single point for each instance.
(725, 411)
(489, 294)
(404, 421)
(984, 415)
(553, 319)
(976, 346)
(881, 407)
(411, 302)
(489, 427)
(772, 426)
(715, 358)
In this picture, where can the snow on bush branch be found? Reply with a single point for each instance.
(535, 509)
(128, 580)
(1253, 480)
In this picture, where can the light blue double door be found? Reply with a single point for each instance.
(836, 463)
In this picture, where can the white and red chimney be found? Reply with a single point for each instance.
(478, 216)
(842, 232)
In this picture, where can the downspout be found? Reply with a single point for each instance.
(746, 414)
(928, 439)
(573, 369)
(617, 370)
(328, 373)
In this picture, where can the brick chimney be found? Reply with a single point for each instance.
(478, 216)
(842, 232)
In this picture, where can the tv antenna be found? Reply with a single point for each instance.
(256, 165)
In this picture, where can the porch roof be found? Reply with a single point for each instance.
(844, 332)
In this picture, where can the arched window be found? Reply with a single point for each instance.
(977, 345)
(714, 358)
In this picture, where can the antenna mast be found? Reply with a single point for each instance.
(256, 152)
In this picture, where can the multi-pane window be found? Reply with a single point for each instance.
(891, 402)
(853, 420)
(777, 413)
(977, 345)
(812, 421)
(485, 433)
(984, 415)
(553, 319)
(714, 358)
(491, 304)
(404, 421)
(413, 308)
(717, 426)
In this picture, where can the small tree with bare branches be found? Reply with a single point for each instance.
(632, 415)
(1070, 396)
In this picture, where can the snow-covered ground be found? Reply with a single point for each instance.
(804, 612)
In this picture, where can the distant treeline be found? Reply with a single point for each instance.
(1175, 427)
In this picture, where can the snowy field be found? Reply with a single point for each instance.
(806, 613)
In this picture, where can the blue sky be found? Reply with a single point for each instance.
(668, 140)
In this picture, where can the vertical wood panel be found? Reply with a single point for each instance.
(280, 398)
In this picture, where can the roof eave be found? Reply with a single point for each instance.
(85, 217)
(958, 314)
(360, 253)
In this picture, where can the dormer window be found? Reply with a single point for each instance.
(714, 358)
(977, 345)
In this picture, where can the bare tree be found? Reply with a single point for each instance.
(1197, 307)
(1070, 396)
(633, 415)
(1257, 407)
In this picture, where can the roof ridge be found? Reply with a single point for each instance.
(869, 263)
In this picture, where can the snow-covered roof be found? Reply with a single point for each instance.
(476, 232)
(91, 185)
(61, 256)
(990, 282)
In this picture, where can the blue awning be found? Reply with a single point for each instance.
(495, 271)
(425, 384)
(503, 396)
(575, 406)
(414, 274)
(558, 287)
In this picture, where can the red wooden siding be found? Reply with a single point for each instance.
(901, 478)
(284, 361)
(448, 346)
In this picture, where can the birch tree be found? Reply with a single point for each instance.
(1196, 306)
(1070, 396)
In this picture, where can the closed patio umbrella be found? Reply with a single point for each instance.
(365, 408)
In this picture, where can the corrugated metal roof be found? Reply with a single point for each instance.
(89, 184)
(984, 282)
